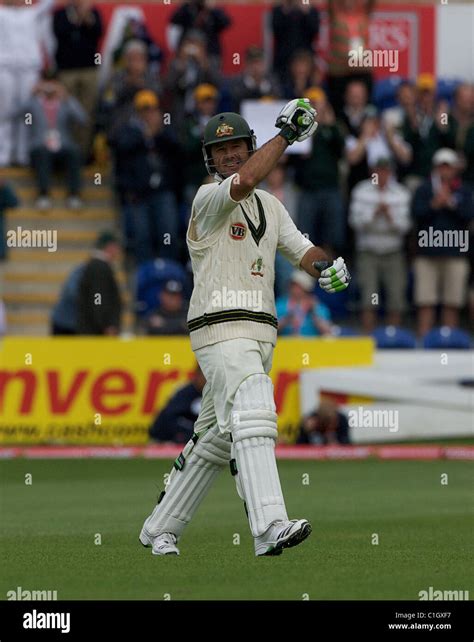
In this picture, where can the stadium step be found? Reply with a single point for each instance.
(89, 193)
(87, 214)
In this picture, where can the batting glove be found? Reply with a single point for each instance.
(297, 120)
(335, 277)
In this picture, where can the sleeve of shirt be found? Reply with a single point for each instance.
(291, 242)
(213, 205)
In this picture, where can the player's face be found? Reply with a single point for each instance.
(229, 156)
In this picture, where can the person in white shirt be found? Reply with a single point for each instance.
(233, 234)
(380, 215)
(21, 60)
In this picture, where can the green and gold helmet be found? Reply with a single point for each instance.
(225, 126)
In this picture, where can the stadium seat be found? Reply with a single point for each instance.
(391, 337)
(385, 92)
(344, 331)
(151, 277)
(448, 338)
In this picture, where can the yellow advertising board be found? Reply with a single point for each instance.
(108, 390)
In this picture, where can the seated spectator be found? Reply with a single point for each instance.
(205, 100)
(78, 29)
(175, 422)
(424, 131)
(116, 101)
(321, 210)
(209, 21)
(148, 166)
(354, 108)
(280, 185)
(373, 143)
(22, 48)
(99, 304)
(189, 68)
(300, 76)
(295, 25)
(325, 426)
(254, 82)
(349, 22)
(380, 216)
(53, 115)
(170, 316)
(442, 207)
(65, 313)
(8, 199)
(300, 313)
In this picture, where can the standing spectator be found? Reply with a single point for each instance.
(99, 305)
(300, 76)
(21, 59)
(53, 114)
(205, 99)
(136, 29)
(355, 106)
(116, 100)
(373, 143)
(148, 167)
(423, 130)
(210, 22)
(282, 187)
(8, 199)
(461, 128)
(175, 422)
(170, 316)
(380, 216)
(190, 67)
(78, 29)
(324, 426)
(300, 313)
(348, 30)
(65, 312)
(254, 82)
(442, 205)
(321, 208)
(406, 104)
(295, 26)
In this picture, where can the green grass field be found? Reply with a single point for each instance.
(425, 528)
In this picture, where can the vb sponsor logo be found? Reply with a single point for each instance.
(438, 594)
(366, 418)
(39, 620)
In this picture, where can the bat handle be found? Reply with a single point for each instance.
(321, 265)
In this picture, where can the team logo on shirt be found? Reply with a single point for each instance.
(224, 130)
(257, 267)
(237, 231)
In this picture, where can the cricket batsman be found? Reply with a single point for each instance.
(233, 234)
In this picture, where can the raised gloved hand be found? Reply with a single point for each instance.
(334, 277)
(297, 120)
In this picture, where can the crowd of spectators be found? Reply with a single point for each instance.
(373, 180)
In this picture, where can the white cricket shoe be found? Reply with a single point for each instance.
(162, 544)
(282, 535)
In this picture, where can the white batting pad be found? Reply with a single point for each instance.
(254, 433)
(189, 482)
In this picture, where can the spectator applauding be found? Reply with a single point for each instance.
(53, 115)
(255, 82)
(325, 426)
(99, 306)
(78, 28)
(379, 213)
(443, 209)
(300, 313)
(148, 170)
(295, 26)
(170, 317)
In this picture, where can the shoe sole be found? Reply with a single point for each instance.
(293, 540)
